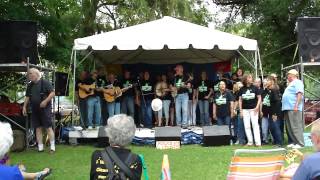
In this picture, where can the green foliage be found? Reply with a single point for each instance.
(272, 23)
(189, 162)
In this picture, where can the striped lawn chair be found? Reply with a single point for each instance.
(261, 166)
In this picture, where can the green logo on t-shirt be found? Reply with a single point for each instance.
(266, 100)
(179, 83)
(221, 100)
(146, 87)
(248, 95)
(203, 87)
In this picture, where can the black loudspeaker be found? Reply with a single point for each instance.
(216, 135)
(309, 38)
(61, 84)
(18, 41)
(168, 133)
(103, 140)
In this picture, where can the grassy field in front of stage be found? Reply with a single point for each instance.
(189, 162)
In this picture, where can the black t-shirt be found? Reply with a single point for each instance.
(147, 88)
(222, 102)
(126, 83)
(101, 83)
(266, 104)
(203, 87)
(39, 91)
(275, 100)
(110, 85)
(249, 97)
(99, 169)
(180, 81)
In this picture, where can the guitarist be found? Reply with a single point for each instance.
(82, 102)
(113, 107)
(93, 101)
(182, 98)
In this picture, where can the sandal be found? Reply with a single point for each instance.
(43, 174)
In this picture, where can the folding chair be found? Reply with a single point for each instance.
(264, 165)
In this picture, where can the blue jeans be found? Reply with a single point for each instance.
(165, 110)
(265, 129)
(182, 108)
(113, 108)
(276, 131)
(147, 113)
(94, 111)
(240, 130)
(127, 105)
(223, 121)
(204, 112)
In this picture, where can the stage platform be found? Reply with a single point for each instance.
(143, 136)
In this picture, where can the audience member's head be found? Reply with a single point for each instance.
(34, 74)
(292, 75)
(6, 138)
(204, 75)
(239, 72)
(247, 80)
(222, 86)
(257, 82)
(120, 130)
(236, 87)
(315, 135)
(179, 69)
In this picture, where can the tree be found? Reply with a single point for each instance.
(272, 23)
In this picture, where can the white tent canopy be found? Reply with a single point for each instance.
(165, 41)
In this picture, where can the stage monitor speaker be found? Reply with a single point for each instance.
(216, 135)
(168, 133)
(18, 41)
(103, 140)
(61, 84)
(309, 38)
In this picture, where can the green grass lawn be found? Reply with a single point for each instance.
(189, 162)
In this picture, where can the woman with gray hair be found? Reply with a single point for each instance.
(14, 172)
(117, 162)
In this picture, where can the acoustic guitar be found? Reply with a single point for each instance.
(86, 90)
(110, 95)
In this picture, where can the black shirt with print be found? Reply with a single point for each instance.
(101, 83)
(266, 104)
(147, 88)
(249, 96)
(100, 171)
(222, 102)
(203, 87)
(127, 83)
(180, 81)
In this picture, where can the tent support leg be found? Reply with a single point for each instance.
(246, 59)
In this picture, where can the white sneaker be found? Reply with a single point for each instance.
(290, 145)
(40, 148)
(52, 147)
(297, 146)
(90, 128)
